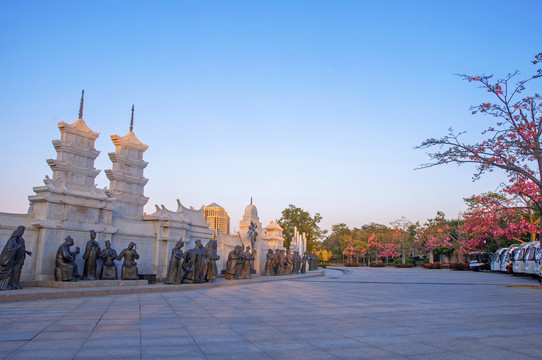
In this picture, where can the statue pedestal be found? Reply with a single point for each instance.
(83, 284)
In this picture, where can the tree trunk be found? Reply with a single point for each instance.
(404, 253)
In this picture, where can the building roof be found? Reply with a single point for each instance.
(251, 212)
(215, 205)
(273, 225)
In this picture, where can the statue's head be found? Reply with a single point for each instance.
(108, 244)
(197, 243)
(68, 240)
(19, 231)
(179, 244)
(92, 234)
(248, 248)
(131, 245)
(270, 251)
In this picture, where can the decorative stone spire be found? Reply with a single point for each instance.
(126, 176)
(132, 120)
(81, 105)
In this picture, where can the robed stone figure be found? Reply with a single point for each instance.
(231, 263)
(277, 263)
(108, 257)
(192, 265)
(12, 260)
(212, 257)
(204, 264)
(270, 259)
(175, 267)
(313, 262)
(288, 262)
(66, 269)
(247, 259)
(129, 266)
(297, 263)
(91, 255)
(304, 259)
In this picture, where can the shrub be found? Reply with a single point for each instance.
(433, 266)
(377, 264)
(404, 265)
(323, 266)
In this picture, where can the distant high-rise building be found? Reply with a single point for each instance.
(218, 218)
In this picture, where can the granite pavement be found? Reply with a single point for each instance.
(358, 313)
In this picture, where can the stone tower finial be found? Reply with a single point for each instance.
(251, 200)
(81, 105)
(132, 121)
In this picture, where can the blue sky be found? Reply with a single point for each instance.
(312, 103)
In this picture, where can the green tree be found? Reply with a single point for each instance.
(334, 242)
(292, 217)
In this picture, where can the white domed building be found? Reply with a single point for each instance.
(269, 237)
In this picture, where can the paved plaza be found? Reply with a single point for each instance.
(365, 313)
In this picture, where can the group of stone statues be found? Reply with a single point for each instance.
(197, 265)
(282, 262)
(66, 268)
(240, 263)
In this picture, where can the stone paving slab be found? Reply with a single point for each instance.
(365, 314)
(47, 290)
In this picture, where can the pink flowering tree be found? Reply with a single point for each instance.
(434, 234)
(495, 220)
(511, 144)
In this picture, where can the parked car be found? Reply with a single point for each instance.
(496, 259)
(530, 262)
(480, 261)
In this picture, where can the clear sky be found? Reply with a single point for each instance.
(312, 103)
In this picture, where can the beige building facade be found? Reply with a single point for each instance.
(218, 217)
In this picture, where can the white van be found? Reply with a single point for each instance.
(538, 264)
(519, 259)
(508, 256)
(496, 259)
(530, 262)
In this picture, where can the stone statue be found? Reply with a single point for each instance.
(288, 262)
(175, 267)
(270, 259)
(66, 269)
(192, 265)
(247, 259)
(204, 263)
(231, 264)
(304, 263)
(297, 263)
(252, 234)
(277, 263)
(313, 262)
(212, 257)
(91, 255)
(12, 260)
(108, 257)
(129, 265)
